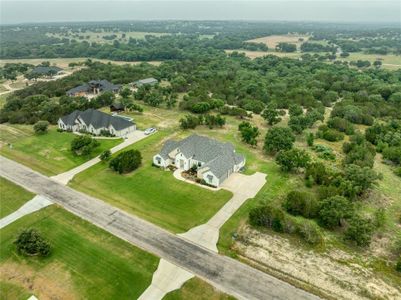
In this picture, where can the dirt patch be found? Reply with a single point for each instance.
(50, 283)
(334, 273)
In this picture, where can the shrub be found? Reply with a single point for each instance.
(318, 171)
(105, 155)
(359, 231)
(83, 145)
(301, 204)
(332, 135)
(189, 122)
(310, 232)
(267, 216)
(31, 242)
(310, 139)
(126, 161)
(397, 171)
(41, 127)
(393, 154)
(341, 125)
(398, 265)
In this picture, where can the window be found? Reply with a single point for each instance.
(210, 178)
(199, 164)
(159, 160)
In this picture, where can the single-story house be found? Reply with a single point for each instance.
(214, 160)
(46, 71)
(94, 121)
(146, 81)
(94, 87)
(117, 107)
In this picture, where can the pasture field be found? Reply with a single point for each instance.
(48, 153)
(272, 41)
(152, 193)
(85, 261)
(12, 197)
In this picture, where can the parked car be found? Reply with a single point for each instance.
(150, 130)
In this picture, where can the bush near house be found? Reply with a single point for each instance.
(126, 161)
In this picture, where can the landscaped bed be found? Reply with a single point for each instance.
(48, 153)
(152, 193)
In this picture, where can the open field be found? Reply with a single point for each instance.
(12, 197)
(85, 263)
(197, 289)
(97, 37)
(152, 193)
(48, 153)
(272, 41)
(63, 62)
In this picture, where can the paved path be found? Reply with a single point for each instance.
(37, 203)
(226, 274)
(65, 177)
(168, 277)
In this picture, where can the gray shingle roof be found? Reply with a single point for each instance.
(97, 119)
(103, 85)
(78, 89)
(218, 157)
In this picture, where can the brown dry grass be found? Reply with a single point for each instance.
(272, 40)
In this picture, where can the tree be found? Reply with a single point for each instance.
(189, 122)
(295, 110)
(286, 47)
(249, 133)
(278, 138)
(41, 127)
(292, 159)
(359, 230)
(126, 161)
(83, 145)
(30, 242)
(271, 115)
(105, 155)
(333, 211)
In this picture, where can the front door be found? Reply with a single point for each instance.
(182, 163)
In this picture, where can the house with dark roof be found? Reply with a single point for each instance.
(215, 161)
(146, 81)
(94, 87)
(94, 121)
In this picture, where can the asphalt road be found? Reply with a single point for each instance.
(226, 274)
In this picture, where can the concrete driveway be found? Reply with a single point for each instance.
(169, 277)
(65, 177)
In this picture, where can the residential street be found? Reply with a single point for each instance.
(224, 273)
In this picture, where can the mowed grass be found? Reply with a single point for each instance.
(197, 289)
(12, 197)
(86, 262)
(49, 153)
(152, 193)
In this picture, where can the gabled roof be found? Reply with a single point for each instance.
(78, 89)
(104, 85)
(97, 119)
(218, 157)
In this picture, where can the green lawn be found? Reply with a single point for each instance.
(86, 262)
(152, 193)
(197, 289)
(48, 153)
(12, 197)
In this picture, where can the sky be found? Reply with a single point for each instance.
(37, 11)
